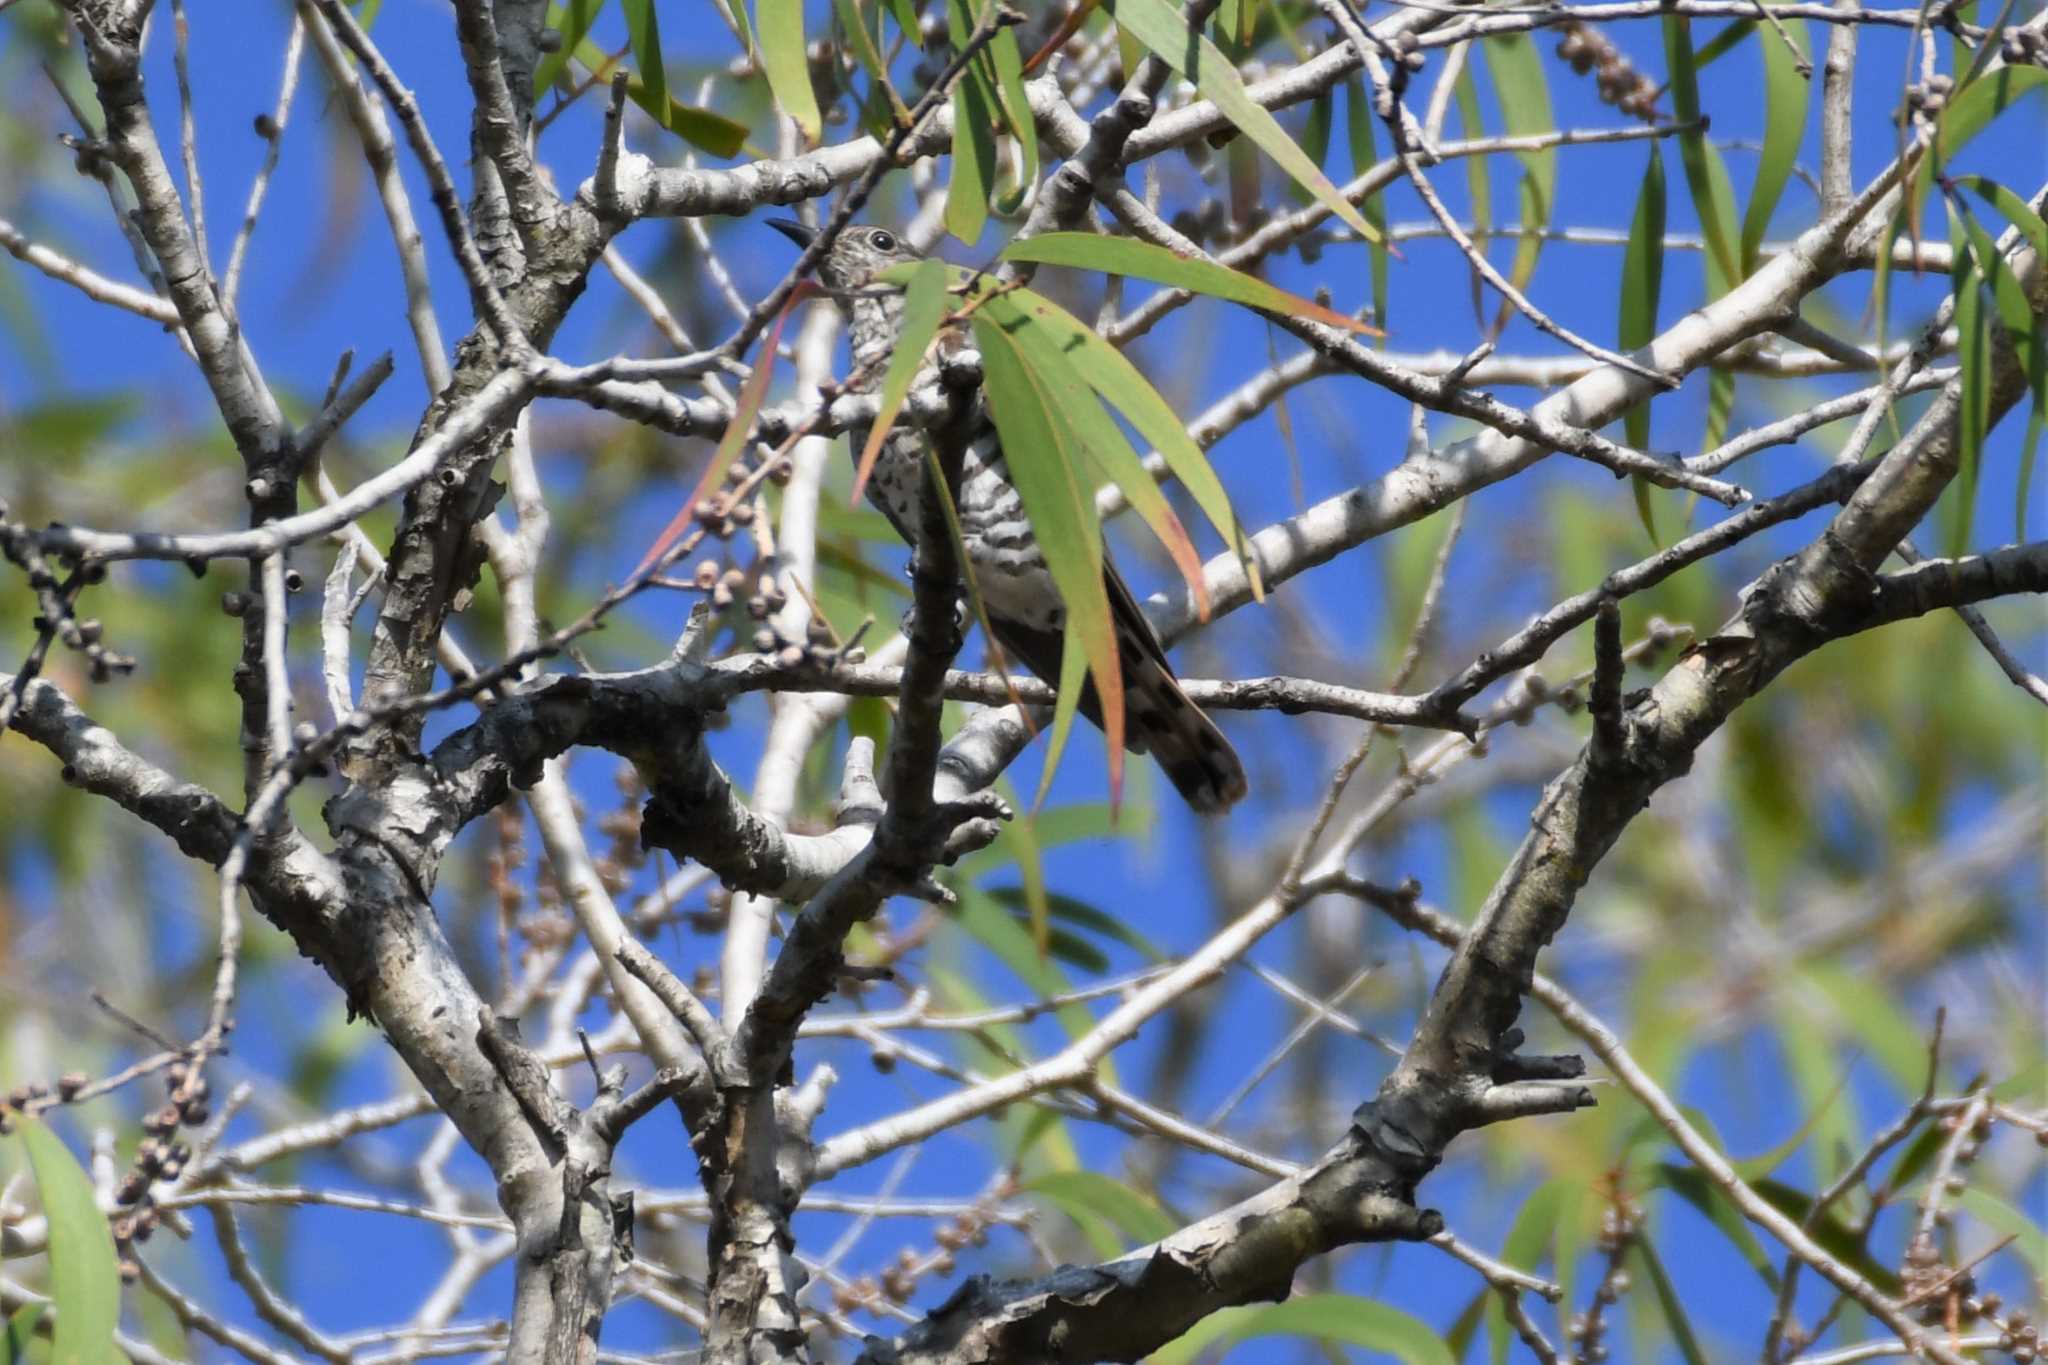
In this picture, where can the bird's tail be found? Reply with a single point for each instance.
(1158, 717)
(1160, 720)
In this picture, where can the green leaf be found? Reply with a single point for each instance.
(1973, 108)
(906, 19)
(1112, 375)
(1021, 839)
(1086, 1196)
(1159, 25)
(2029, 1240)
(1519, 84)
(1145, 261)
(1066, 705)
(1667, 1300)
(1969, 111)
(1722, 43)
(786, 59)
(700, 127)
(1339, 1318)
(573, 23)
(1721, 382)
(974, 162)
(643, 32)
(1028, 389)
(992, 924)
(1692, 1185)
(1008, 61)
(2027, 334)
(924, 308)
(1642, 289)
(1077, 912)
(85, 1286)
(1315, 140)
(1715, 209)
(743, 28)
(1897, 1042)
(1478, 186)
(1358, 121)
(1108, 450)
(1756, 1167)
(1483, 1306)
(1973, 414)
(1829, 1231)
(854, 23)
(1786, 95)
(18, 1332)
(1917, 1157)
(1529, 1237)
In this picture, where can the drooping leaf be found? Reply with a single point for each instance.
(1080, 914)
(906, 19)
(1692, 1185)
(1829, 1231)
(1027, 395)
(18, 1331)
(1722, 43)
(1721, 382)
(1969, 111)
(869, 56)
(698, 126)
(1161, 27)
(1315, 141)
(1112, 459)
(643, 33)
(785, 57)
(1713, 205)
(1086, 1196)
(1976, 105)
(1642, 289)
(1358, 121)
(1871, 1014)
(1008, 62)
(1520, 85)
(1340, 1318)
(924, 308)
(1786, 96)
(742, 26)
(2028, 338)
(2028, 1237)
(572, 22)
(1146, 261)
(1021, 837)
(1682, 1335)
(990, 923)
(1973, 409)
(1478, 187)
(85, 1285)
(1528, 1239)
(1464, 1329)
(1073, 674)
(974, 162)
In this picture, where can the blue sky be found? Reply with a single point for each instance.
(323, 278)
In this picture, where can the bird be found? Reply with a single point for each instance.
(1018, 595)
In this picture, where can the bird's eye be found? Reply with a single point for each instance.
(882, 241)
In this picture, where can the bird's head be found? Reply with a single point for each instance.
(860, 252)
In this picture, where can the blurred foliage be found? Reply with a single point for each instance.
(1771, 938)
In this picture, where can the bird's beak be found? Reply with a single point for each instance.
(795, 231)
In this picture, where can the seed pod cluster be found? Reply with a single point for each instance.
(1621, 85)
